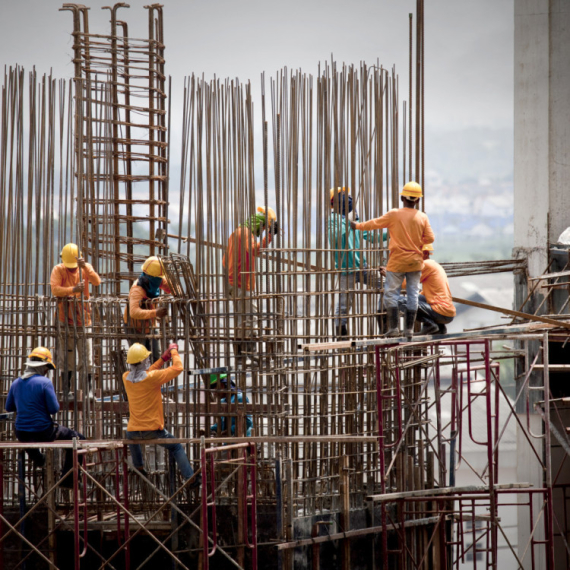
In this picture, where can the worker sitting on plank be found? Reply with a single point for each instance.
(347, 256)
(69, 280)
(141, 313)
(409, 232)
(239, 262)
(435, 306)
(33, 399)
(143, 384)
(219, 382)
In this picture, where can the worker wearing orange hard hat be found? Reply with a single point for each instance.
(69, 282)
(33, 398)
(435, 304)
(239, 263)
(409, 232)
(141, 311)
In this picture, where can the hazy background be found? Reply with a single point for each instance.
(468, 80)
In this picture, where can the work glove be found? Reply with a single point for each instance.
(352, 224)
(167, 355)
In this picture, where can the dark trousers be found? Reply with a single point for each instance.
(53, 433)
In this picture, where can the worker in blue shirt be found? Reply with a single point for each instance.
(219, 382)
(33, 399)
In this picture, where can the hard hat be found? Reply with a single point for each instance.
(427, 247)
(43, 354)
(137, 353)
(215, 377)
(412, 191)
(69, 255)
(153, 267)
(338, 191)
(270, 213)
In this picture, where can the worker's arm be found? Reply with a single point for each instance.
(136, 295)
(428, 235)
(56, 284)
(10, 401)
(261, 245)
(165, 376)
(91, 275)
(52, 404)
(376, 224)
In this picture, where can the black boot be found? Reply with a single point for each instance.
(441, 329)
(341, 332)
(410, 320)
(428, 328)
(393, 318)
(381, 321)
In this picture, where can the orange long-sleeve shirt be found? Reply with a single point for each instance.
(240, 256)
(141, 319)
(436, 288)
(62, 282)
(409, 231)
(145, 398)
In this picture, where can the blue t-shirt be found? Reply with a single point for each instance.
(33, 400)
(248, 419)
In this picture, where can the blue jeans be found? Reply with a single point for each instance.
(347, 281)
(425, 313)
(175, 449)
(393, 287)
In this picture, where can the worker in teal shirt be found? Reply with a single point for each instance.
(220, 383)
(347, 256)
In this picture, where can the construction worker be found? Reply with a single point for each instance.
(219, 382)
(143, 386)
(33, 398)
(141, 314)
(409, 232)
(69, 281)
(239, 262)
(347, 256)
(435, 305)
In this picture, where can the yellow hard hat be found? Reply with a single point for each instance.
(153, 267)
(43, 354)
(412, 191)
(338, 191)
(427, 247)
(69, 255)
(137, 353)
(270, 213)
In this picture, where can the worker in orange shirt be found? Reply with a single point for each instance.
(435, 305)
(239, 262)
(141, 312)
(69, 281)
(409, 231)
(143, 384)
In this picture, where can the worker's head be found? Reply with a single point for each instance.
(153, 267)
(219, 382)
(137, 355)
(41, 360)
(411, 194)
(69, 255)
(262, 220)
(427, 250)
(341, 200)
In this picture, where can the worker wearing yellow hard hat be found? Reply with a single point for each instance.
(409, 232)
(348, 257)
(435, 303)
(239, 262)
(143, 384)
(70, 282)
(141, 311)
(33, 398)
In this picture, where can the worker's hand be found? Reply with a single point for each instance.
(173, 346)
(80, 262)
(79, 288)
(382, 271)
(161, 312)
(352, 224)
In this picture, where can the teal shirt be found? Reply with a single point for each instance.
(341, 237)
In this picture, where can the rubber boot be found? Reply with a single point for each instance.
(428, 328)
(441, 329)
(410, 321)
(381, 321)
(393, 318)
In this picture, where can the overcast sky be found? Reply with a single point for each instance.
(468, 50)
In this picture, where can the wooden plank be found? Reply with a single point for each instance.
(551, 275)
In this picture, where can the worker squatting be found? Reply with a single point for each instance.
(409, 269)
